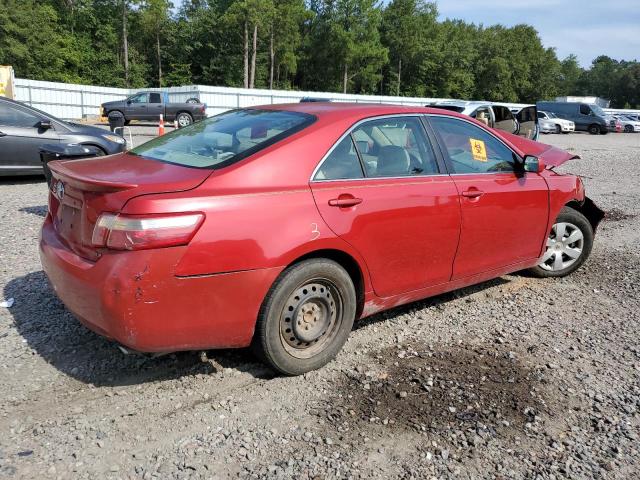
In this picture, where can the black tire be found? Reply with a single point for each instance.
(184, 119)
(320, 296)
(193, 100)
(558, 129)
(127, 122)
(594, 129)
(628, 129)
(576, 219)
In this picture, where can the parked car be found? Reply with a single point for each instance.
(24, 130)
(628, 124)
(560, 124)
(278, 226)
(150, 105)
(547, 126)
(523, 122)
(586, 117)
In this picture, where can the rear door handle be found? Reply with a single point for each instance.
(344, 202)
(472, 193)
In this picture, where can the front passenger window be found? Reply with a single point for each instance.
(342, 163)
(15, 117)
(470, 149)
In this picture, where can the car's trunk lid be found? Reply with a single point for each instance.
(83, 189)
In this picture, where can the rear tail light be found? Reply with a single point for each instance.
(139, 232)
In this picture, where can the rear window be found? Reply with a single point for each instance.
(224, 139)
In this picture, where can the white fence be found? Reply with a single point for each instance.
(71, 101)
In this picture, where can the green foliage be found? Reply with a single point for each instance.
(359, 46)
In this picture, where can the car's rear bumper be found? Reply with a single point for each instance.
(135, 299)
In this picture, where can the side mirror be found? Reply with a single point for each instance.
(45, 124)
(533, 164)
(128, 102)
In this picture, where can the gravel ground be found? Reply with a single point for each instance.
(514, 378)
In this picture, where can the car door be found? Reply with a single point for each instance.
(504, 210)
(21, 137)
(381, 189)
(503, 119)
(155, 106)
(528, 122)
(137, 107)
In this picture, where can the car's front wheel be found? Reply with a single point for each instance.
(568, 245)
(306, 317)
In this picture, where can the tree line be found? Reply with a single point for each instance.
(353, 46)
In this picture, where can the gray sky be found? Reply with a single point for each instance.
(587, 28)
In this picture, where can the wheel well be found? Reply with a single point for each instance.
(347, 262)
(96, 146)
(589, 210)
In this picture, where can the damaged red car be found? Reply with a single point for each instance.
(279, 226)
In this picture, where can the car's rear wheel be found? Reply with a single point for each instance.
(306, 317)
(594, 129)
(568, 245)
(628, 129)
(184, 119)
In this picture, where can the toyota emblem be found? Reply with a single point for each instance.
(60, 190)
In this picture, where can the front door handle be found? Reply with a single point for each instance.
(472, 193)
(345, 201)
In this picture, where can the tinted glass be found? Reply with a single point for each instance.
(155, 98)
(585, 110)
(342, 163)
(502, 113)
(395, 147)
(470, 149)
(141, 98)
(221, 140)
(15, 117)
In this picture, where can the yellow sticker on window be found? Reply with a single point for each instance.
(478, 150)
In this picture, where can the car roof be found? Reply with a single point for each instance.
(336, 110)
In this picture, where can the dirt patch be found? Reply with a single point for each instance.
(616, 215)
(484, 388)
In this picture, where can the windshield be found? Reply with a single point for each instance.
(551, 115)
(597, 110)
(224, 139)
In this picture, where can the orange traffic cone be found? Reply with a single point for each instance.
(161, 126)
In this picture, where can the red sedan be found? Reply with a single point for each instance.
(278, 226)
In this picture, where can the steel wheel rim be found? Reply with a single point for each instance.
(311, 318)
(564, 247)
(184, 121)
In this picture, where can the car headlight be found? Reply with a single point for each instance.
(114, 138)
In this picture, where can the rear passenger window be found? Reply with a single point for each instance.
(395, 147)
(155, 98)
(342, 163)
